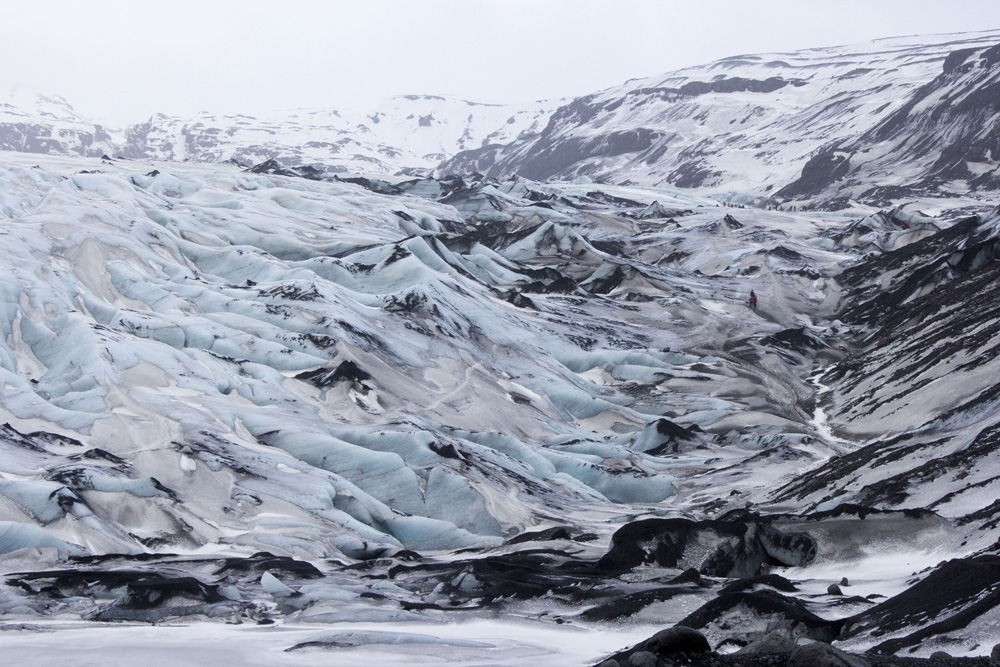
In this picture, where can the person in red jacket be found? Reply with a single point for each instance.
(753, 300)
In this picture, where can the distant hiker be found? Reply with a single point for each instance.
(753, 300)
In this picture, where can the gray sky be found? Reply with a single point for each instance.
(119, 61)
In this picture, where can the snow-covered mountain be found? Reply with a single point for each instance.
(943, 139)
(874, 121)
(410, 134)
(877, 122)
(35, 123)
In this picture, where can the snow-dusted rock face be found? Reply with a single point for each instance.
(944, 138)
(33, 123)
(411, 134)
(925, 372)
(917, 113)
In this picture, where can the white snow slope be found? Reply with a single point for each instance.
(409, 134)
(752, 124)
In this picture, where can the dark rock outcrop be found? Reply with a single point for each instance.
(741, 544)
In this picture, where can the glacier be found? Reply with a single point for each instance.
(418, 413)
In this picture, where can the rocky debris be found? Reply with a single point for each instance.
(741, 543)
(494, 580)
(738, 617)
(626, 605)
(799, 340)
(946, 600)
(151, 599)
(138, 595)
(278, 168)
(654, 210)
(643, 659)
(348, 371)
(678, 644)
(517, 298)
(731, 222)
(775, 581)
(553, 533)
(664, 435)
(773, 651)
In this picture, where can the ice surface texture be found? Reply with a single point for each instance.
(211, 361)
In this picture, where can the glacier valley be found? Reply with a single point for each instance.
(443, 412)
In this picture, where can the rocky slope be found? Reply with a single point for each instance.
(32, 123)
(943, 139)
(876, 122)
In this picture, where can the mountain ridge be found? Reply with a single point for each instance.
(666, 134)
(796, 126)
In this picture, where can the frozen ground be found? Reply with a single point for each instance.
(211, 644)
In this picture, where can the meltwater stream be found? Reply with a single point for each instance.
(820, 421)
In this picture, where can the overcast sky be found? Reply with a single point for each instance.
(119, 61)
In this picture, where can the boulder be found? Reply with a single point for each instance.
(642, 659)
(678, 643)
(819, 654)
(672, 641)
(769, 643)
(732, 615)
